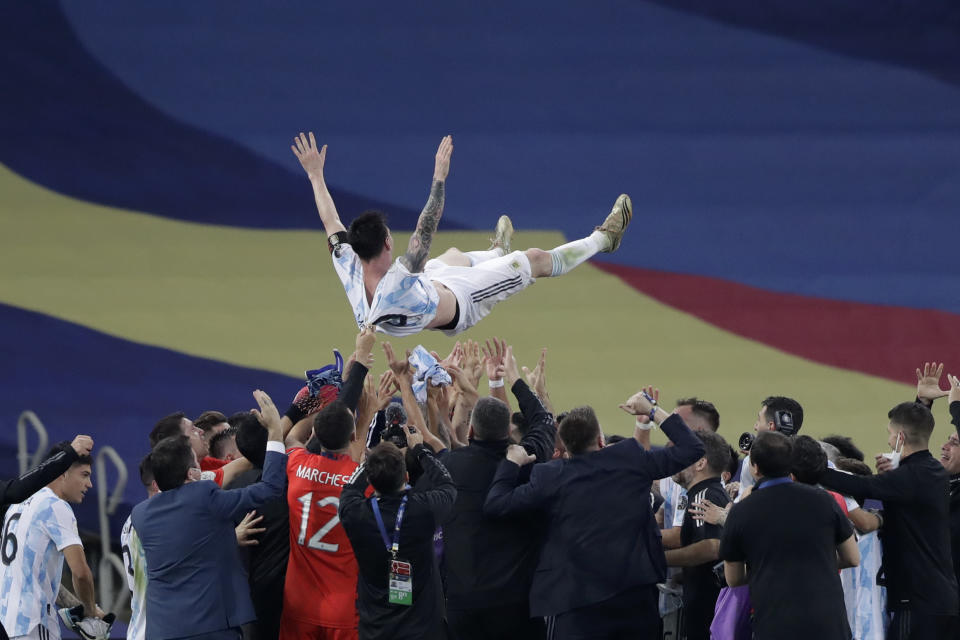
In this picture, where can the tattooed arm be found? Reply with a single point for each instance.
(419, 248)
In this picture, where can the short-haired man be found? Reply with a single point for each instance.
(399, 592)
(220, 471)
(777, 413)
(223, 446)
(595, 580)
(489, 562)
(788, 537)
(950, 459)
(37, 535)
(188, 538)
(700, 540)
(921, 586)
(136, 563)
(320, 587)
(451, 293)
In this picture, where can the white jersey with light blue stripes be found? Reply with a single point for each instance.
(403, 304)
(34, 535)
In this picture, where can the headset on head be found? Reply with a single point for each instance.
(783, 422)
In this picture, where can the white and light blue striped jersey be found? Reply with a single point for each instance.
(674, 502)
(135, 563)
(34, 535)
(403, 304)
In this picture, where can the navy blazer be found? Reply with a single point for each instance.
(602, 538)
(195, 580)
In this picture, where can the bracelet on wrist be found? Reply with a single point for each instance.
(645, 426)
(496, 384)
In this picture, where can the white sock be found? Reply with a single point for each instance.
(567, 256)
(476, 257)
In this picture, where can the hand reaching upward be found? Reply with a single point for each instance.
(928, 382)
(311, 158)
(441, 167)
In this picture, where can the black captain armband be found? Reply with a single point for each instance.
(335, 240)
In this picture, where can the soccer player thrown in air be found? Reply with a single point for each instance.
(450, 293)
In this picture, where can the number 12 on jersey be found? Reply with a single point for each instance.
(316, 541)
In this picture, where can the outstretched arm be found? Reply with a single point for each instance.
(312, 160)
(419, 248)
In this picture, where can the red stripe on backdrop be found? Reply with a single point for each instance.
(880, 340)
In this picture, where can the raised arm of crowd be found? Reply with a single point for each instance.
(411, 501)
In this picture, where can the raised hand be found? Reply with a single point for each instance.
(83, 445)
(401, 368)
(462, 380)
(642, 402)
(519, 456)
(414, 437)
(472, 362)
(311, 158)
(386, 388)
(954, 388)
(510, 369)
(928, 382)
(441, 165)
(493, 357)
(537, 379)
(268, 416)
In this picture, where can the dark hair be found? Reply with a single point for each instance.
(167, 427)
(146, 471)
(734, 464)
(614, 439)
(517, 419)
(854, 466)
(208, 420)
(845, 446)
(221, 442)
(367, 233)
(772, 453)
(579, 429)
(490, 419)
(251, 439)
(808, 460)
(171, 459)
(773, 404)
(703, 410)
(333, 425)
(235, 418)
(916, 421)
(66, 445)
(386, 468)
(716, 451)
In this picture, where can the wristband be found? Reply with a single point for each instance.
(496, 384)
(653, 413)
(646, 426)
(295, 413)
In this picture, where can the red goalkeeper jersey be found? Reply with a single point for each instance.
(321, 584)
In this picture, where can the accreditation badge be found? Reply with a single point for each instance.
(401, 583)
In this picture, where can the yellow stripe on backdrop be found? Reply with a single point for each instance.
(271, 300)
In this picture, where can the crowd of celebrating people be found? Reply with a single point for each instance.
(414, 505)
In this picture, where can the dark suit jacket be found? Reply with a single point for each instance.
(490, 561)
(195, 580)
(601, 538)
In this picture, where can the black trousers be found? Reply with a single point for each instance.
(912, 625)
(506, 622)
(630, 615)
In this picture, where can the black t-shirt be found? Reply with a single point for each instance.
(700, 587)
(788, 536)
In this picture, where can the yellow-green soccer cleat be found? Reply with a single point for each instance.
(616, 222)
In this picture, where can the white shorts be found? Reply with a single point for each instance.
(479, 288)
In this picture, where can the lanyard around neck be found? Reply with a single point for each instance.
(395, 546)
